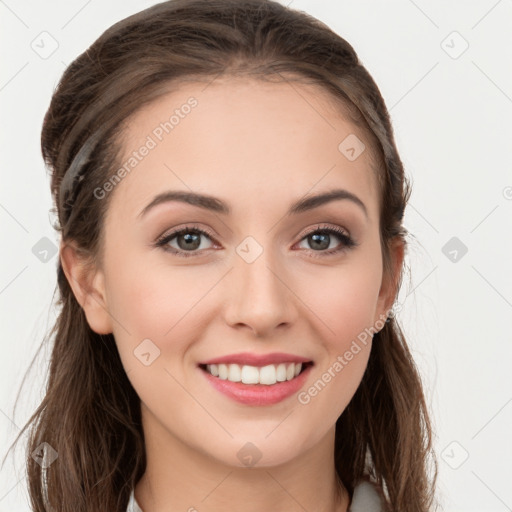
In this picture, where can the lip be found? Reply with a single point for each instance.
(258, 394)
(252, 359)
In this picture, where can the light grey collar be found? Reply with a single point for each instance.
(365, 499)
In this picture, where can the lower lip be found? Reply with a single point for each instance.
(258, 394)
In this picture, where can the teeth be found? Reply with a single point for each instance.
(250, 375)
(281, 372)
(223, 371)
(234, 373)
(267, 375)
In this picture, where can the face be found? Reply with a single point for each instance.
(243, 286)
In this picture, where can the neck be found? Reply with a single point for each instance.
(178, 477)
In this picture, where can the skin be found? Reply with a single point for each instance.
(259, 147)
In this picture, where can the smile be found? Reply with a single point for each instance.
(266, 375)
(257, 379)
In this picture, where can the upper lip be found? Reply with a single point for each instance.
(251, 359)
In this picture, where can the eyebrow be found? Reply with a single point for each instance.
(217, 205)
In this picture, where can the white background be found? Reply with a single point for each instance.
(451, 114)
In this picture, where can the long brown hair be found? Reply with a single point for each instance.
(90, 414)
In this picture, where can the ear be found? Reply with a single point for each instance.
(389, 284)
(88, 285)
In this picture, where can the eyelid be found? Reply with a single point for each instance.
(325, 227)
(187, 227)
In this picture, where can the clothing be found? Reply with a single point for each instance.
(365, 499)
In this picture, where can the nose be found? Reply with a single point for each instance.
(260, 296)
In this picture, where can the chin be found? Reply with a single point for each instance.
(258, 451)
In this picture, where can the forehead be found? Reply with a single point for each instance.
(244, 139)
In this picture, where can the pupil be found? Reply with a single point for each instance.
(315, 241)
(190, 242)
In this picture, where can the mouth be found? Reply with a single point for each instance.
(268, 375)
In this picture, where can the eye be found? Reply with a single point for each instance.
(188, 239)
(321, 237)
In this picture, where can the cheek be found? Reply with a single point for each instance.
(334, 385)
(138, 300)
(347, 340)
(151, 303)
(156, 302)
(345, 305)
(344, 298)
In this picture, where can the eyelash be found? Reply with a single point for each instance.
(347, 241)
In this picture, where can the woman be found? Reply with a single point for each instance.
(230, 202)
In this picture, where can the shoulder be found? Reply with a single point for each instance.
(367, 498)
